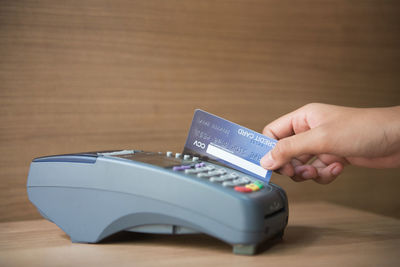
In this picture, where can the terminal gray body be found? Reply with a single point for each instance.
(93, 195)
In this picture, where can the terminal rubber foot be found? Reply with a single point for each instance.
(244, 249)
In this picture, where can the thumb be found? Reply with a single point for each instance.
(308, 142)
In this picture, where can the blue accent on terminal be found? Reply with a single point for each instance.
(68, 158)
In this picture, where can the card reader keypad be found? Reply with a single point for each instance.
(221, 175)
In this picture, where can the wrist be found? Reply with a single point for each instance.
(391, 129)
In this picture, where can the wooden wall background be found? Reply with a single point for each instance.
(92, 75)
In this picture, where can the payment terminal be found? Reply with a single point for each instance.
(93, 195)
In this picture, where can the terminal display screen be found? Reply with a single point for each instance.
(152, 158)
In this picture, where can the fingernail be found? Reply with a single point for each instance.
(336, 171)
(267, 161)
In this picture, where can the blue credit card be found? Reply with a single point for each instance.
(228, 143)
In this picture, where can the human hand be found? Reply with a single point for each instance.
(316, 141)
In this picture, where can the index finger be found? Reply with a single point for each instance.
(287, 125)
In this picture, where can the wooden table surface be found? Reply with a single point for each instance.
(318, 234)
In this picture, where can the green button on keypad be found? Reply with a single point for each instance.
(259, 184)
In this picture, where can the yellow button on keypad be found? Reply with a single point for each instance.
(253, 187)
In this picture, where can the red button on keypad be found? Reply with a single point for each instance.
(243, 189)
